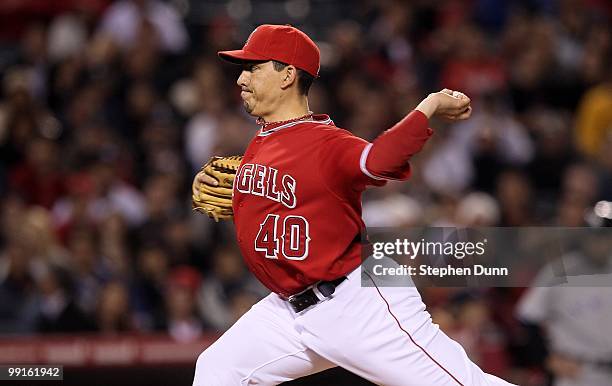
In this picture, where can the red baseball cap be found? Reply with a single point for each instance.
(283, 43)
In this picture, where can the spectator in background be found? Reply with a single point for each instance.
(34, 56)
(57, 308)
(38, 179)
(31, 250)
(573, 308)
(113, 312)
(392, 209)
(471, 66)
(123, 18)
(580, 190)
(554, 153)
(594, 115)
(202, 130)
(176, 236)
(478, 150)
(17, 291)
(162, 205)
(515, 196)
(148, 287)
(529, 44)
(96, 194)
(228, 279)
(67, 36)
(475, 330)
(87, 267)
(604, 169)
(37, 236)
(22, 118)
(115, 248)
(182, 322)
(477, 209)
(113, 195)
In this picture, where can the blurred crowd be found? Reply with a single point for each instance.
(108, 109)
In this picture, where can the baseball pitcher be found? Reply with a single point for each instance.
(296, 205)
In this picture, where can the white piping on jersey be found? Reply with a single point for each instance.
(362, 163)
(268, 132)
(364, 169)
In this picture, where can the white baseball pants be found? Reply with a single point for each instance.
(382, 334)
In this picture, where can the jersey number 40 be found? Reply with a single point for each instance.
(292, 241)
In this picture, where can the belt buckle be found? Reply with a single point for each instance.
(294, 296)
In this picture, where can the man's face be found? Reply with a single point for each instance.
(261, 87)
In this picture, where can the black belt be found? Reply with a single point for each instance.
(309, 297)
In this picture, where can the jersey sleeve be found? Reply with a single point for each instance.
(348, 160)
(389, 155)
(340, 159)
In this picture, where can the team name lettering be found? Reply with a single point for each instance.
(264, 181)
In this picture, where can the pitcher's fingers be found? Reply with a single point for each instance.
(464, 101)
(466, 114)
(195, 185)
(456, 115)
(449, 117)
(458, 106)
(460, 95)
(451, 102)
(204, 178)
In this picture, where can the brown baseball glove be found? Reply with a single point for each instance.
(216, 201)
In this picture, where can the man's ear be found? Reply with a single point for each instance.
(289, 75)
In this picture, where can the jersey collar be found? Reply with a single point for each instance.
(322, 119)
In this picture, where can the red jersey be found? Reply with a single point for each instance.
(297, 203)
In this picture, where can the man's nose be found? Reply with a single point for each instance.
(242, 79)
